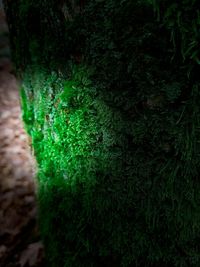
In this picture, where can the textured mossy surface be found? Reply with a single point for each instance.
(116, 133)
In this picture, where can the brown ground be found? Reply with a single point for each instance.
(19, 239)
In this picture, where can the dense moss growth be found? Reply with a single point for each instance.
(111, 102)
(35, 28)
(182, 18)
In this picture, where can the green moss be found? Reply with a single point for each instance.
(112, 188)
(117, 141)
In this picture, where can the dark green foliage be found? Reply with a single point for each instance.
(115, 129)
(37, 27)
(182, 18)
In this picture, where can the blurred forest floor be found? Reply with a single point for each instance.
(20, 244)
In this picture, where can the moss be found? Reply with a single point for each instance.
(116, 135)
(111, 188)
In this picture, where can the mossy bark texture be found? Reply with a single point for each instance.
(110, 97)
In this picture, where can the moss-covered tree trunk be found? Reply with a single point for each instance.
(110, 97)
